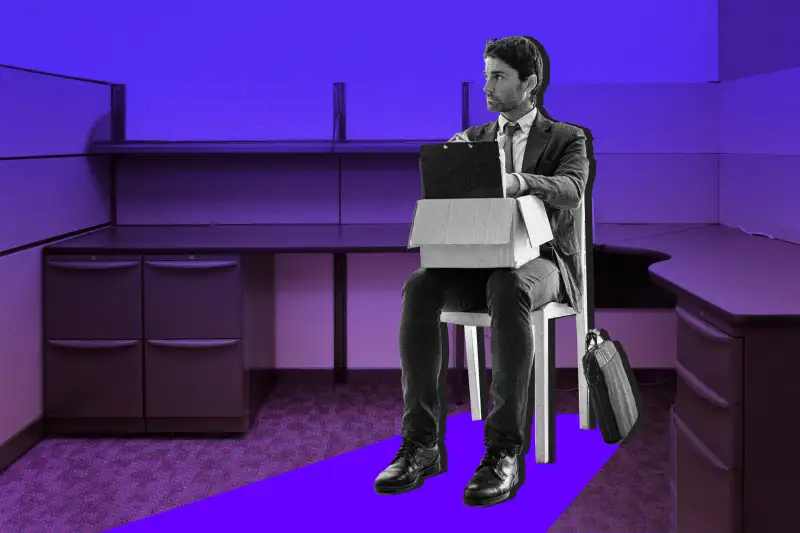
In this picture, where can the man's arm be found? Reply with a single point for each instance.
(514, 184)
(565, 189)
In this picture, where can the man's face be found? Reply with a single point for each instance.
(503, 88)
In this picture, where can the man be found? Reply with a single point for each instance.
(543, 158)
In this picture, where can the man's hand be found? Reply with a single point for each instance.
(459, 137)
(510, 185)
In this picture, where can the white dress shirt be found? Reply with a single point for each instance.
(520, 140)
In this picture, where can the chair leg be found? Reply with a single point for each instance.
(458, 354)
(544, 388)
(587, 417)
(476, 368)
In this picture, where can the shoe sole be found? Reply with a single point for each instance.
(488, 502)
(425, 473)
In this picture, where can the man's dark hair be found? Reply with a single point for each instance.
(523, 54)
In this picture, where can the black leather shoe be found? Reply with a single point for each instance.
(495, 480)
(412, 464)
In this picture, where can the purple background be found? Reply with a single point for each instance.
(691, 124)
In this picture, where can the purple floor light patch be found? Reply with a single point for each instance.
(337, 494)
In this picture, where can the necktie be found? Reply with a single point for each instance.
(511, 128)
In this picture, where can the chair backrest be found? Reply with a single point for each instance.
(585, 249)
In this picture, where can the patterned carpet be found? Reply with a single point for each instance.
(90, 486)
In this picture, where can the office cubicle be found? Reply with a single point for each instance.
(50, 188)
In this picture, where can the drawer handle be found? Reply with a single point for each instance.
(92, 345)
(92, 265)
(700, 388)
(194, 344)
(701, 327)
(187, 265)
(699, 447)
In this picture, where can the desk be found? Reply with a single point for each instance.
(147, 276)
(261, 147)
(109, 294)
(738, 366)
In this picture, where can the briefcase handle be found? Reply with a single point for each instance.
(594, 337)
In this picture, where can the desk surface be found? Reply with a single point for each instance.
(729, 270)
(749, 280)
(410, 146)
(291, 238)
(308, 238)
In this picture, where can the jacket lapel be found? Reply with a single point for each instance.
(538, 139)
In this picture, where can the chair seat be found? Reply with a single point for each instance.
(480, 317)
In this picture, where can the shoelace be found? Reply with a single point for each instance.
(407, 449)
(492, 457)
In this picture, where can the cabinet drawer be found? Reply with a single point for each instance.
(93, 297)
(708, 494)
(194, 378)
(712, 356)
(93, 379)
(673, 472)
(714, 420)
(193, 297)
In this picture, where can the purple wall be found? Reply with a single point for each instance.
(261, 70)
(20, 341)
(760, 145)
(40, 198)
(45, 115)
(669, 170)
(228, 190)
(757, 36)
(759, 112)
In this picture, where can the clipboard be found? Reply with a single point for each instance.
(461, 170)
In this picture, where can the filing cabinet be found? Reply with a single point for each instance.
(192, 297)
(144, 344)
(93, 297)
(708, 433)
(194, 378)
(92, 365)
(93, 379)
(194, 361)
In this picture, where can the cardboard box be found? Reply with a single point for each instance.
(480, 232)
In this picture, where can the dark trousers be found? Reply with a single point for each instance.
(510, 295)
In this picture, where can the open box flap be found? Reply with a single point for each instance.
(535, 218)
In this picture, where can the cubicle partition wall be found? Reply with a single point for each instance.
(760, 153)
(669, 167)
(759, 114)
(655, 146)
(50, 189)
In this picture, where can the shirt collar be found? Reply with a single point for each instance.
(525, 122)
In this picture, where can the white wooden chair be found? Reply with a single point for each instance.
(543, 325)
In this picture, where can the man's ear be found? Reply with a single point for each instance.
(531, 83)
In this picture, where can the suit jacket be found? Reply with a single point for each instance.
(556, 169)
